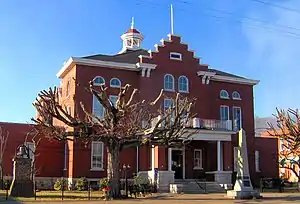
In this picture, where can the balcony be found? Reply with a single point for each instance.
(206, 124)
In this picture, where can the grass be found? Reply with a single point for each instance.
(57, 195)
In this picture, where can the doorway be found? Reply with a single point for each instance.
(177, 163)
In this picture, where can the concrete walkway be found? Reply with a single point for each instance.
(189, 199)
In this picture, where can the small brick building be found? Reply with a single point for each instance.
(224, 105)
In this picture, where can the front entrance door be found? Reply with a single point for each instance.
(177, 163)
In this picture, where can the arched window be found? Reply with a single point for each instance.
(224, 94)
(115, 82)
(169, 82)
(236, 95)
(98, 81)
(183, 84)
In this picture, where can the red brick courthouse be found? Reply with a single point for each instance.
(224, 105)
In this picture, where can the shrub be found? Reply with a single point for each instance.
(103, 183)
(81, 184)
(60, 183)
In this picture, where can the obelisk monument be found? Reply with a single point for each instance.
(242, 188)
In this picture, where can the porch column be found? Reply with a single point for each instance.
(169, 159)
(220, 156)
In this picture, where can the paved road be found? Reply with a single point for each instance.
(269, 198)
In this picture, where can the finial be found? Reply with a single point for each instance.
(132, 23)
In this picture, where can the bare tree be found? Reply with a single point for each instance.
(3, 141)
(32, 152)
(129, 122)
(287, 130)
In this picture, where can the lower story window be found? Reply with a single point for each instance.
(257, 167)
(97, 155)
(198, 159)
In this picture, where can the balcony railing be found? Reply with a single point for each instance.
(199, 123)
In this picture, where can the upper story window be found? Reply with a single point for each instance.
(183, 84)
(175, 56)
(236, 95)
(224, 94)
(98, 81)
(169, 82)
(31, 148)
(168, 103)
(98, 109)
(115, 82)
(113, 99)
(68, 88)
(224, 112)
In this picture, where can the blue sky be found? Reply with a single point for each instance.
(36, 37)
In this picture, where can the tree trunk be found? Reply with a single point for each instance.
(113, 170)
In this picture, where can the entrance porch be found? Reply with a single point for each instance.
(201, 160)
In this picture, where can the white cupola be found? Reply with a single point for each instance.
(132, 39)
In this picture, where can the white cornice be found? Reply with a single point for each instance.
(235, 80)
(229, 79)
(97, 63)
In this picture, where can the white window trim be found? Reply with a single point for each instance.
(221, 106)
(201, 160)
(176, 53)
(94, 107)
(257, 161)
(173, 84)
(236, 98)
(97, 84)
(102, 153)
(187, 85)
(241, 119)
(223, 97)
(168, 99)
(115, 86)
(113, 96)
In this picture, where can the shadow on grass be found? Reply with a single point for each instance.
(4, 199)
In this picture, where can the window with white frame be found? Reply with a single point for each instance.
(115, 83)
(224, 94)
(113, 99)
(97, 155)
(183, 84)
(98, 109)
(31, 149)
(235, 158)
(237, 118)
(224, 112)
(257, 167)
(169, 82)
(198, 159)
(168, 103)
(175, 56)
(236, 95)
(98, 81)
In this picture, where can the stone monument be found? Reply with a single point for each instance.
(242, 188)
(22, 184)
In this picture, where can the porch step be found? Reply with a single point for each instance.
(193, 187)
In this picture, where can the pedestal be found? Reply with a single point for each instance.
(22, 184)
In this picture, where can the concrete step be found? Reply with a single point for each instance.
(191, 186)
